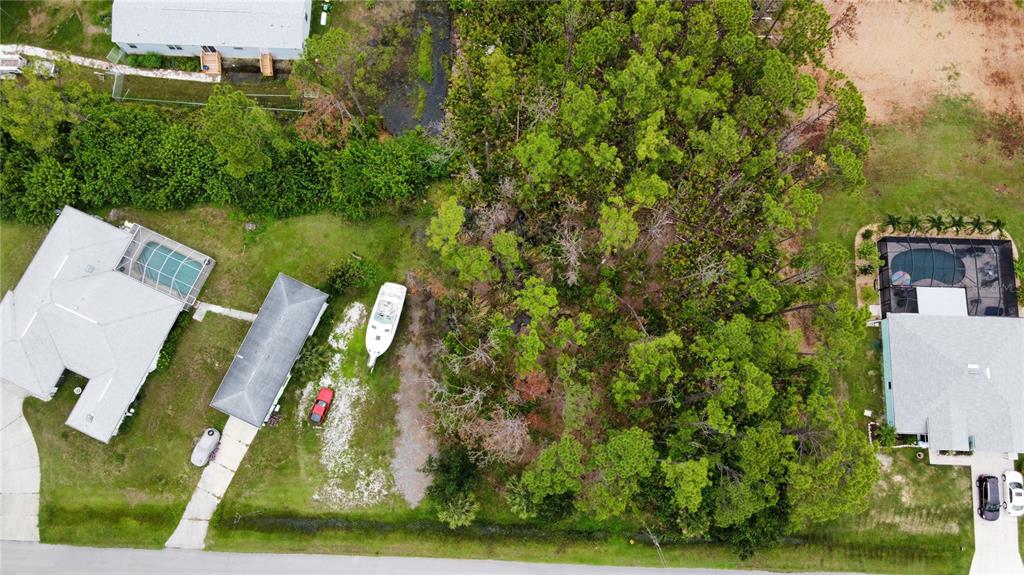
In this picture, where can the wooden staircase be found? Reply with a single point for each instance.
(266, 64)
(210, 62)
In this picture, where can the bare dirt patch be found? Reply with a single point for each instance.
(903, 53)
(415, 442)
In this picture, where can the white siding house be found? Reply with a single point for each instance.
(233, 28)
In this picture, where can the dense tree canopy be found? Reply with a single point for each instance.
(634, 170)
(65, 144)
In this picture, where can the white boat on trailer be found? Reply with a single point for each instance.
(384, 320)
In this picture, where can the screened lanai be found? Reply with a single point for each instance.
(165, 265)
(983, 268)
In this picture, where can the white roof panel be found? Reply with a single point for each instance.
(941, 301)
(263, 24)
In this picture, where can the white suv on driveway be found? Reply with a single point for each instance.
(1013, 495)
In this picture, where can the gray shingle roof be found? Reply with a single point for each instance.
(73, 310)
(223, 23)
(261, 367)
(960, 380)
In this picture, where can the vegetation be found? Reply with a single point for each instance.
(643, 161)
(65, 144)
(74, 27)
(129, 493)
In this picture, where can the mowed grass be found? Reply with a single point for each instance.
(74, 26)
(283, 469)
(132, 492)
(942, 161)
(18, 243)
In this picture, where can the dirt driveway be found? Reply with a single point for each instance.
(904, 52)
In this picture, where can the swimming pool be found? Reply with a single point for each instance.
(169, 268)
(922, 264)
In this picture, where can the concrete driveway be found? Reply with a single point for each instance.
(213, 484)
(19, 470)
(996, 543)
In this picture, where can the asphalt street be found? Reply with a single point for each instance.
(20, 558)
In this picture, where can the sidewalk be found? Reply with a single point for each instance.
(37, 52)
(19, 471)
(234, 443)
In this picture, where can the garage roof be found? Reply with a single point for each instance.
(261, 368)
(960, 380)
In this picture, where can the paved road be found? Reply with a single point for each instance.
(17, 558)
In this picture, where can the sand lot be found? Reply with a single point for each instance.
(904, 52)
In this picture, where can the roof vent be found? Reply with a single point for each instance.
(973, 369)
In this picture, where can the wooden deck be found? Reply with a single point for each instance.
(266, 64)
(210, 62)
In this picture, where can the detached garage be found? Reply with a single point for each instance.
(262, 367)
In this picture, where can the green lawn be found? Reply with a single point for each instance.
(941, 161)
(945, 161)
(18, 243)
(132, 492)
(74, 26)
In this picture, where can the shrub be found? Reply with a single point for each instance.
(147, 60)
(868, 251)
(129, 154)
(867, 234)
(48, 188)
(171, 343)
(351, 273)
(185, 64)
(459, 511)
(869, 295)
(454, 473)
(885, 435)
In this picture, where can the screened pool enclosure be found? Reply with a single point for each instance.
(983, 268)
(165, 265)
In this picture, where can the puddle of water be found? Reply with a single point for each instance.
(399, 111)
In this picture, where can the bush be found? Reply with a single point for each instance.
(885, 435)
(868, 251)
(128, 154)
(148, 60)
(454, 473)
(352, 273)
(459, 511)
(171, 343)
(869, 295)
(185, 64)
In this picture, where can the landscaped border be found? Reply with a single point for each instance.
(864, 280)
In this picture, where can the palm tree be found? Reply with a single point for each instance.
(935, 223)
(912, 223)
(976, 225)
(997, 226)
(956, 223)
(893, 222)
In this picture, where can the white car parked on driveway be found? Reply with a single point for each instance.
(1013, 496)
(205, 447)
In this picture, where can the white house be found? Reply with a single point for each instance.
(229, 28)
(99, 301)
